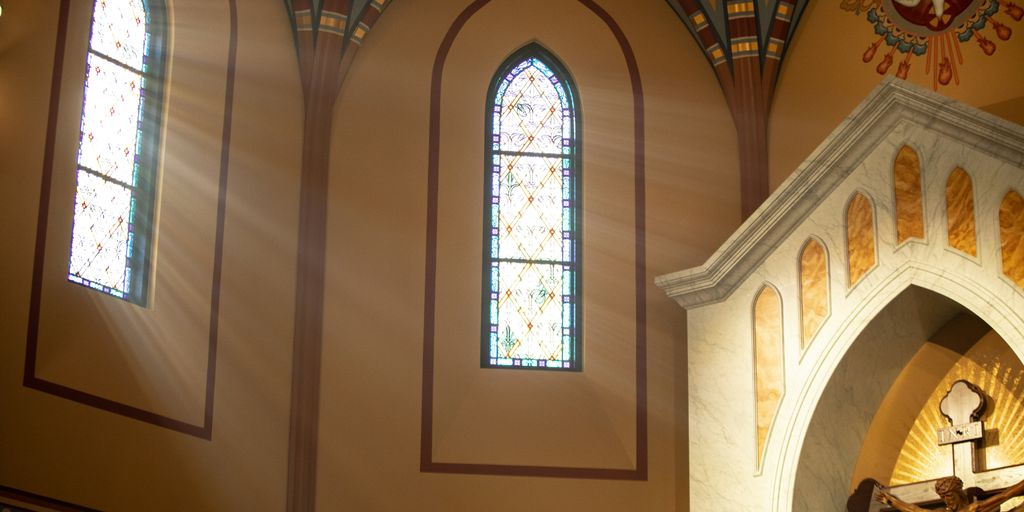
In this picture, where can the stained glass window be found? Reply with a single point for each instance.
(117, 153)
(531, 251)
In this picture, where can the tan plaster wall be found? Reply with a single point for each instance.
(370, 409)
(370, 403)
(155, 358)
(373, 309)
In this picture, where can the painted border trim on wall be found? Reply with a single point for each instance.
(427, 464)
(40, 500)
(30, 380)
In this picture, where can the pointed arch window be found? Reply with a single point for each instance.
(118, 149)
(531, 295)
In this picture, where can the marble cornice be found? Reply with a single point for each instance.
(892, 102)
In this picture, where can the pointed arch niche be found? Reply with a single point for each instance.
(899, 304)
(769, 368)
(814, 291)
(898, 447)
(77, 338)
(960, 222)
(1011, 236)
(508, 420)
(907, 189)
(860, 238)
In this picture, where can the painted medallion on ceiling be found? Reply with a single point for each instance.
(931, 33)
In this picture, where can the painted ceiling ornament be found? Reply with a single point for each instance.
(933, 30)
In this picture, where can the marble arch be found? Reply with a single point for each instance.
(928, 276)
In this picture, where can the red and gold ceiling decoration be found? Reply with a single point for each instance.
(933, 31)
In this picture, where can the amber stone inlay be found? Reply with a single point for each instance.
(1011, 236)
(960, 212)
(768, 374)
(909, 211)
(860, 237)
(814, 300)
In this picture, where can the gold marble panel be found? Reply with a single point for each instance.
(814, 300)
(909, 208)
(1011, 236)
(860, 237)
(768, 362)
(960, 212)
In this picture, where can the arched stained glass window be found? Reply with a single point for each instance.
(118, 148)
(531, 279)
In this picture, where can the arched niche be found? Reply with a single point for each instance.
(879, 319)
(900, 446)
(874, 418)
(845, 390)
(769, 370)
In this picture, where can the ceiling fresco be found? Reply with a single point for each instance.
(745, 41)
(723, 17)
(930, 34)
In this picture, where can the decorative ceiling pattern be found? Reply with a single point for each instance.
(733, 29)
(933, 30)
(346, 18)
(745, 42)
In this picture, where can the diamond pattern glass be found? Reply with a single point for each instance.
(101, 237)
(104, 232)
(110, 120)
(119, 31)
(530, 206)
(531, 298)
(532, 111)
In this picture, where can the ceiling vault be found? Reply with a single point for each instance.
(745, 42)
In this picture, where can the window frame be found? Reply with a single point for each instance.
(149, 141)
(534, 50)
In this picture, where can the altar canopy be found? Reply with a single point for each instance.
(907, 218)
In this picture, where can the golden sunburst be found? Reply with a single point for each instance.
(1000, 375)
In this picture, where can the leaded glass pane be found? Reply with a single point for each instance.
(530, 315)
(533, 111)
(110, 120)
(530, 206)
(106, 235)
(101, 236)
(531, 304)
(119, 31)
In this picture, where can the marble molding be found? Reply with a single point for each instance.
(858, 157)
(909, 211)
(1011, 236)
(768, 361)
(860, 238)
(960, 224)
(814, 300)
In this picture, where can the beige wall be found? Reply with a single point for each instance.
(155, 358)
(372, 360)
(369, 442)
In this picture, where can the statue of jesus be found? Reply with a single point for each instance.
(951, 490)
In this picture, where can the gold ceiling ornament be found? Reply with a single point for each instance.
(933, 30)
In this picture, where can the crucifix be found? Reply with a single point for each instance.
(962, 407)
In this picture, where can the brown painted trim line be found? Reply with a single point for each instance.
(204, 431)
(427, 464)
(40, 500)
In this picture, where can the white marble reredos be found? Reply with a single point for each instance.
(719, 297)
(833, 160)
